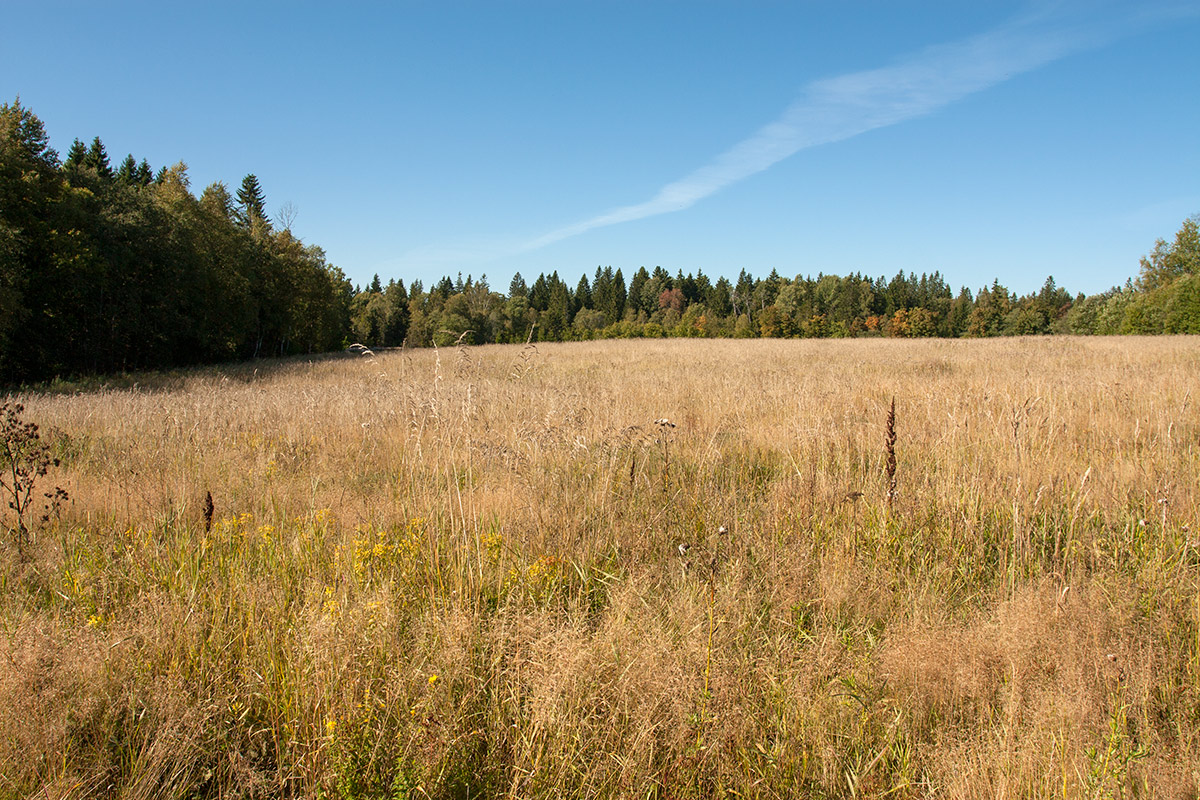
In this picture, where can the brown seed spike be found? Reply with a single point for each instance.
(208, 511)
(890, 449)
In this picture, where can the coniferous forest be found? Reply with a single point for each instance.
(109, 268)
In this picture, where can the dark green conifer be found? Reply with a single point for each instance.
(517, 287)
(144, 175)
(97, 159)
(126, 173)
(251, 205)
(76, 156)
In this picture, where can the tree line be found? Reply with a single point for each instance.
(1165, 298)
(107, 269)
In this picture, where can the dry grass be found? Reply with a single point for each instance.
(430, 575)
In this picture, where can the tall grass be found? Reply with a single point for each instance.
(423, 579)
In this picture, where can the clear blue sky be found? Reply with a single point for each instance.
(418, 139)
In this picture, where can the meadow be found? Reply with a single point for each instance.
(651, 568)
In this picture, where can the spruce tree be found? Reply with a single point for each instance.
(97, 159)
(718, 298)
(539, 293)
(252, 205)
(554, 320)
(144, 175)
(76, 156)
(396, 327)
(583, 294)
(602, 292)
(517, 287)
(28, 178)
(617, 309)
(127, 172)
(635, 288)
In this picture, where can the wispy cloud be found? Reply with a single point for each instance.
(838, 108)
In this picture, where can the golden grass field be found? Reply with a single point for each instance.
(458, 573)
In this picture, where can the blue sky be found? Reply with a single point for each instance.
(1010, 140)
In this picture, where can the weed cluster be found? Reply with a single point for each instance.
(24, 459)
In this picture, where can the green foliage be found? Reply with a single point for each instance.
(125, 173)
(1169, 262)
(1181, 305)
(76, 157)
(1164, 299)
(252, 204)
(28, 192)
(907, 305)
(97, 160)
(103, 272)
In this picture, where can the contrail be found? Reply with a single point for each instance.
(838, 108)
